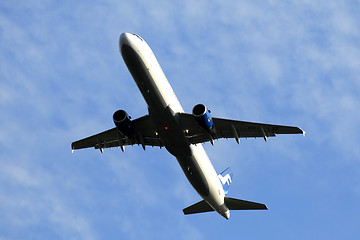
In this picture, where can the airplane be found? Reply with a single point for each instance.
(167, 125)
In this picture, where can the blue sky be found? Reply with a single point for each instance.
(62, 77)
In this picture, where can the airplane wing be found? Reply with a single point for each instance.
(225, 128)
(145, 134)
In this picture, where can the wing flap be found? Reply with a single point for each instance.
(109, 138)
(253, 129)
(226, 128)
(144, 130)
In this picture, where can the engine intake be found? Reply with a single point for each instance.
(123, 123)
(202, 116)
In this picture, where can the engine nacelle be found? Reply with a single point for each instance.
(202, 116)
(123, 123)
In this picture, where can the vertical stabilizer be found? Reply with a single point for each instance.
(225, 178)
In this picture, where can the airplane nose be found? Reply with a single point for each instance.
(124, 37)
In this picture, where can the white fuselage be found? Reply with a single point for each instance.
(163, 107)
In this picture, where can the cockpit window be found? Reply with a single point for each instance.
(138, 36)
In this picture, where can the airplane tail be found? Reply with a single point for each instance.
(231, 204)
(225, 178)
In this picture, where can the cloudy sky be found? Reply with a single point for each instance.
(62, 77)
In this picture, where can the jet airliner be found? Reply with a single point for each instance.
(167, 125)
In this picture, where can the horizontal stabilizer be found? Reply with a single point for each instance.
(237, 204)
(199, 207)
(231, 204)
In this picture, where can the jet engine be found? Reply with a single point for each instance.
(123, 123)
(202, 116)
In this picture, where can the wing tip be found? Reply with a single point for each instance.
(303, 132)
(72, 147)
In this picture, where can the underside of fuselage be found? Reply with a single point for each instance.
(165, 120)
